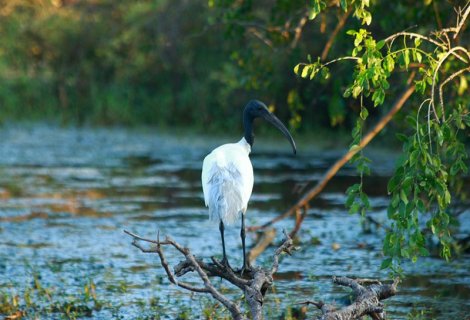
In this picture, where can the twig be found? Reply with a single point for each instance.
(450, 78)
(298, 31)
(461, 23)
(258, 35)
(414, 35)
(339, 26)
(333, 61)
(286, 247)
(436, 70)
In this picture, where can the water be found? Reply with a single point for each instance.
(66, 195)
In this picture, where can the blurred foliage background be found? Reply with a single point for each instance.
(191, 63)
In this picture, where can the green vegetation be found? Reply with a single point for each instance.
(434, 153)
(192, 63)
(38, 301)
(101, 62)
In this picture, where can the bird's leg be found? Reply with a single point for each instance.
(224, 259)
(242, 235)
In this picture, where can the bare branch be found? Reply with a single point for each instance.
(450, 78)
(339, 26)
(286, 247)
(436, 70)
(461, 19)
(348, 282)
(298, 31)
(136, 237)
(415, 35)
(258, 35)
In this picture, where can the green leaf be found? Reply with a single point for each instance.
(380, 44)
(354, 147)
(358, 40)
(364, 113)
(390, 62)
(423, 251)
(417, 42)
(447, 197)
(325, 72)
(414, 157)
(356, 91)
(378, 97)
(406, 58)
(354, 208)
(463, 85)
(296, 69)
(402, 137)
(419, 57)
(344, 5)
(353, 189)
(365, 200)
(367, 19)
(312, 14)
(386, 263)
(305, 72)
(403, 196)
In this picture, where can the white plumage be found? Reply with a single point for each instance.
(227, 181)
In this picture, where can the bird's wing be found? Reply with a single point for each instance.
(227, 182)
(205, 176)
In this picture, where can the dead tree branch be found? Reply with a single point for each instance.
(253, 282)
(331, 39)
(366, 300)
(298, 31)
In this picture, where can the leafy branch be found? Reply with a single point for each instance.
(433, 156)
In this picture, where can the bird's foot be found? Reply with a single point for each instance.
(225, 263)
(245, 270)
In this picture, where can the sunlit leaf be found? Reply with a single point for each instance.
(380, 44)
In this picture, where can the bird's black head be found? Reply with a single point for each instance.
(256, 109)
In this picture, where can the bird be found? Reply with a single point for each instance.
(227, 174)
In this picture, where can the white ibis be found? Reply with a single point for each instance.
(227, 174)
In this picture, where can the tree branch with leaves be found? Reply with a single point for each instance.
(434, 153)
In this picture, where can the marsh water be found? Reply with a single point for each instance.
(66, 195)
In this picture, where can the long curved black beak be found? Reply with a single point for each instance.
(271, 118)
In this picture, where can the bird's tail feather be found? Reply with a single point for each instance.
(225, 204)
